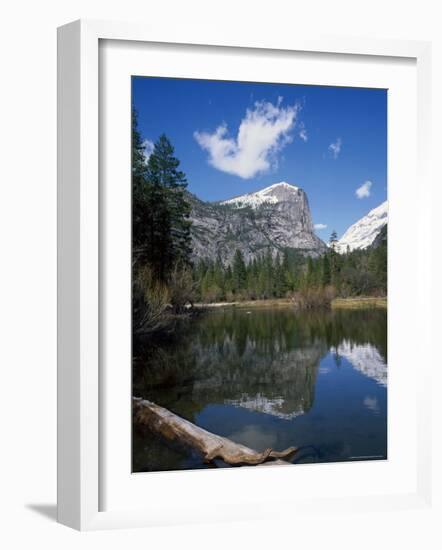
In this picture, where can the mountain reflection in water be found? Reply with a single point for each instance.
(270, 377)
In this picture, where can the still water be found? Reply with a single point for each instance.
(270, 378)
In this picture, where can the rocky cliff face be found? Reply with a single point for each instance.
(274, 218)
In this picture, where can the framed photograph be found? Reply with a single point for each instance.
(234, 219)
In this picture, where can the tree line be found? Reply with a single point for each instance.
(356, 273)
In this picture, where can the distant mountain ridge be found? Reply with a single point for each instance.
(365, 231)
(271, 219)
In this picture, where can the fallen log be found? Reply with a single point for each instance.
(172, 427)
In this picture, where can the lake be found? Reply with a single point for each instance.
(269, 377)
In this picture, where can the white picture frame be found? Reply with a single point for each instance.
(80, 394)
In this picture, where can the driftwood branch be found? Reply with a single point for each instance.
(211, 446)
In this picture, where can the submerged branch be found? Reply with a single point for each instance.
(174, 428)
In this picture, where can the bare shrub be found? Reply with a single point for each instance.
(345, 290)
(314, 297)
(150, 301)
(181, 288)
(212, 294)
(230, 296)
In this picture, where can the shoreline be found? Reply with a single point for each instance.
(362, 302)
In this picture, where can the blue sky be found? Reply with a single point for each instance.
(237, 137)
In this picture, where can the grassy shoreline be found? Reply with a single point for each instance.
(337, 303)
(360, 302)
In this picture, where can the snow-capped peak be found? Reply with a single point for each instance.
(278, 192)
(282, 184)
(362, 233)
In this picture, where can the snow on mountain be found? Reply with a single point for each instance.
(273, 194)
(362, 233)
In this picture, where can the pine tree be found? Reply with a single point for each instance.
(139, 184)
(289, 271)
(228, 281)
(333, 240)
(326, 273)
(310, 273)
(268, 274)
(239, 271)
(335, 260)
(160, 211)
(278, 280)
(173, 209)
(218, 276)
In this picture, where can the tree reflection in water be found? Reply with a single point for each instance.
(265, 362)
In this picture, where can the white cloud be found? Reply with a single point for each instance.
(364, 190)
(263, 132)
(335, 147)
(303, 132)
(148, 149)
(320, 226)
